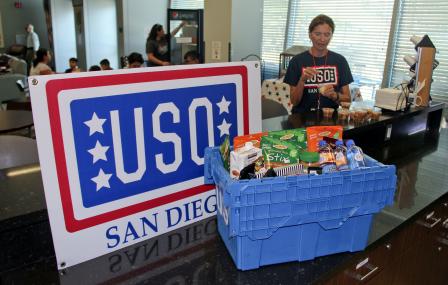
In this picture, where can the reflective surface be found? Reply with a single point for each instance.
(195, 254)
(314, 118)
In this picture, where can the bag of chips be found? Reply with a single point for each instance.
(240, 141)
(317, 133)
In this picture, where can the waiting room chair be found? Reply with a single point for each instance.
(270, 109)
(17, 151)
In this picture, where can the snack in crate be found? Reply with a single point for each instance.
(254, 170)
(290, 170)
(240, 141)
(294, 136)
(224, 149)
(318, 133)
(243, 157)
(278, 153)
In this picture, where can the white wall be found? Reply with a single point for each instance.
(138, 18)
(14, 21)
(217, 30)
(246, 28)
(63, 33)
(100, 23)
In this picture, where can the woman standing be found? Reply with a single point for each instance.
(157, 45)
(318, 77)
(40, 63)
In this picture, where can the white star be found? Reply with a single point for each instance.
(224, 128)
(98, 152)
(223, 105)
(102, 180)
(95, 124)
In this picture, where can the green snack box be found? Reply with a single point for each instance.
(295, 136)
(279, 153)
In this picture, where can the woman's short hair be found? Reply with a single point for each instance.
(320, 20)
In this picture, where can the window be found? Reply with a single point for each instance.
(361, 34)
(275, 13)
(418, 18)
(187, 4)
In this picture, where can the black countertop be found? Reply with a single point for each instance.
(195, 254)
(315, 118)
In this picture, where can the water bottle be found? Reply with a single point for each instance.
(340, 155)
(326, 160)
(355, 155)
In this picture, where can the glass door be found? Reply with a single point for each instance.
(185, 27)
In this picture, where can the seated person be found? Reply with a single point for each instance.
(135, 60)
(94, 68)
(105, 64)
(40, 63)
(73, 63)
(191, 57)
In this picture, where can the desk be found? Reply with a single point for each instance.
(11, 121)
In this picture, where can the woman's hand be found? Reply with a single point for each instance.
(328, 91)
(165, 63)
(308, 73)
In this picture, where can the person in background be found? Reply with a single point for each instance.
(73, 64)
(40, 63)
(105, 64)
(191, 57)
(157, 45)
(94, 68)
(135, 60)
(318, 77)
(32, 44)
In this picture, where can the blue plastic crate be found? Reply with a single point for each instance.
(274, 220)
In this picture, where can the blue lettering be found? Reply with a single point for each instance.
(196, 209)
(208, 204)
(110, 236)
(146, 222)
(187, 212)
(130, 231)
(179, 216)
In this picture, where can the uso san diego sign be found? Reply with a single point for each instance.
(122, 152)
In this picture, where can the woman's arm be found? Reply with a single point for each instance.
(176, 30)
(155, 60)
(342, 96)
(296, 92)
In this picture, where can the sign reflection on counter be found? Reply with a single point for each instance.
(124, 149)
(151, 261)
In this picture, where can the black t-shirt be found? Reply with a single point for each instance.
(334, 70)
(159, 49)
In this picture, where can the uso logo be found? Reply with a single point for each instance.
(131, 142)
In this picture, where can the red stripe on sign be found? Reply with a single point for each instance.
(53, 89)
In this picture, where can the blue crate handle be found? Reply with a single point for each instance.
(208, 177)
